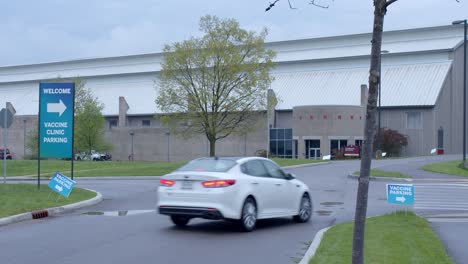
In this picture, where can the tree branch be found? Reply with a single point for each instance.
(389, 2)
(317, 5)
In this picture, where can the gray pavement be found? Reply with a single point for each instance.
(99, 235)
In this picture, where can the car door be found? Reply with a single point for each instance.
(284, 200)
(261, 185)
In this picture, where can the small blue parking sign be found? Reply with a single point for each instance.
(61, 184)
(400, 194)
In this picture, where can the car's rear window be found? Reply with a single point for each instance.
(211, 165)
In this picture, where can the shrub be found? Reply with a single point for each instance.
(392, 142)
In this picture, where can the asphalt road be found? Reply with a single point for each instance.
(125, 228)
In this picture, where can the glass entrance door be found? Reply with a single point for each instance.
(312, 148)
(314, 153)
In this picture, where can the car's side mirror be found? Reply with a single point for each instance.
(290, 176)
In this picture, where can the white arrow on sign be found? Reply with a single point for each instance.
(400, 199)
(59, 108)
(59, 188)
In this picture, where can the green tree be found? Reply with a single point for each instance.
(213, 84)
(32, 142)
(89, 121)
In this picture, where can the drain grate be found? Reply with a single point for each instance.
(39, 214)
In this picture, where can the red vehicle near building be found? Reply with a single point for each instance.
(8, 154)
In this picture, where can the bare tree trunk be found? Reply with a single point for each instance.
(369, 128)
(212, 147)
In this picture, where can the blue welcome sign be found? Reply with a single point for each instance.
(61, 184)
(400, 194)
(56, 104)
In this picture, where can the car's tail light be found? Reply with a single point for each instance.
(167, 183)
(218, 183)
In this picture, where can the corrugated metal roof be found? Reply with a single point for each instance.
(402, 85)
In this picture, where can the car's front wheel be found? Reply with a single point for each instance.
(305, 210)
(249, 215)
(180, 221)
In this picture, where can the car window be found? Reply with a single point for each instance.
(254, 168)
(273, 170)
(211, 165)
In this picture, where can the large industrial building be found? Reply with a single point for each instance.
(318, 84)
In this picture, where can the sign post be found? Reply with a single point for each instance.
(56, 122)
(6, 119)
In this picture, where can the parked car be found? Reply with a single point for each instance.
(94, 156)
(8, 154)
(242, 190)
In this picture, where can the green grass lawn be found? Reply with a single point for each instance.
(90, 168)
(447, 167)
(21, 198)
(389, 174)
(106, 168)
(389, 239)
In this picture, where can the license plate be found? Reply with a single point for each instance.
(187, 185)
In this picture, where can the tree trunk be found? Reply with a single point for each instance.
(369, 128)
(212, 147)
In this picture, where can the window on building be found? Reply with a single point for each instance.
(112, 123)
(146, 122)
(358, 142)
(413, 120)
(281, 144)
(337, 146)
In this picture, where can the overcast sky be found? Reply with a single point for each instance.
(35, 31)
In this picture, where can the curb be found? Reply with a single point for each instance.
(53, 211)
(305, 165)
(313, 246)
(373, 178)
(316, 242)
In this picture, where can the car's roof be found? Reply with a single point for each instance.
(237, 159)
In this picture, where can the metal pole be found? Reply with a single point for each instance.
(39, 141)
(464, 95)
(457, 22)
(24, 138)
(168, 133)
(4, 143)
(73, 134)
(132, 147)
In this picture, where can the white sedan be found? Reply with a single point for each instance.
(239, 189)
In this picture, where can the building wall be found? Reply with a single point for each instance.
(420, 140)
(326, 123)
(452, 107)
(158, 143)
(284, 119)
(18, 134)
(150, 143)
(446, 115)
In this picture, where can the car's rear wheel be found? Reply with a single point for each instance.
(305, 210)
(180, 221)
(249, 215)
